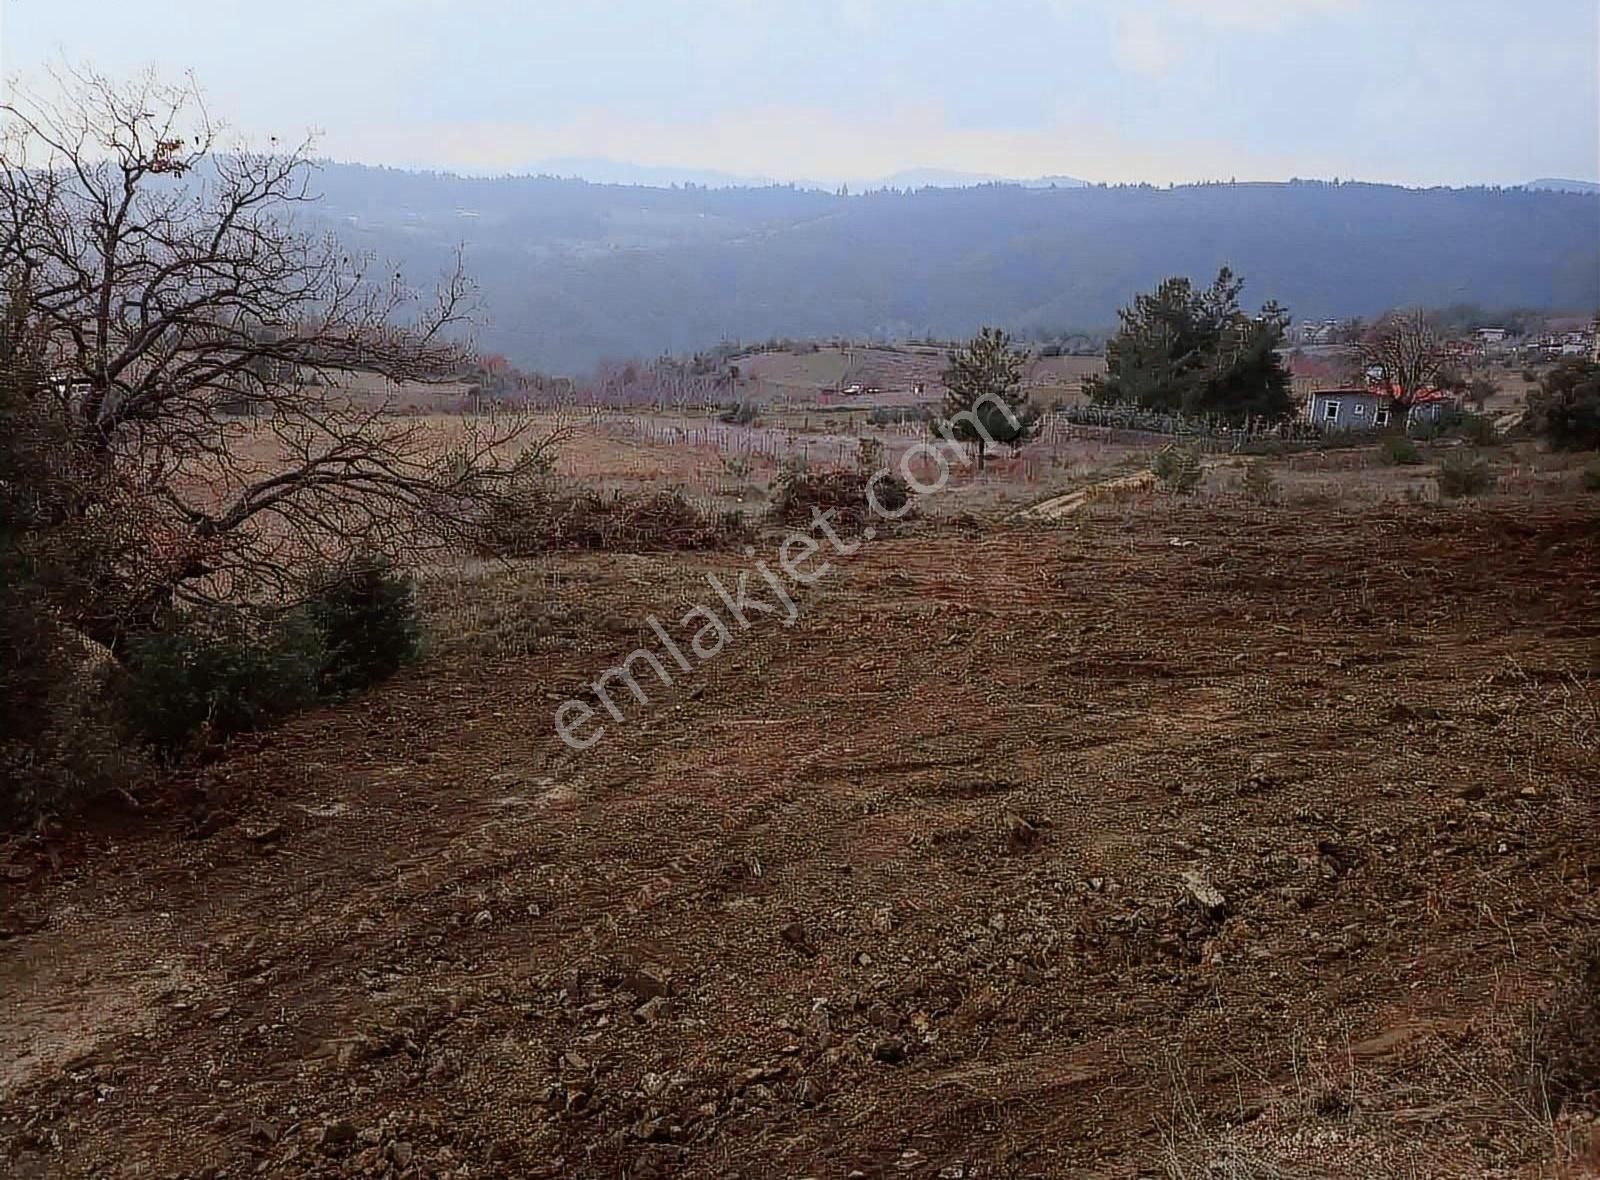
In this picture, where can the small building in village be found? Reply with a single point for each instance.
(1366, 408)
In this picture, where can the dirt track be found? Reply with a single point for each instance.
(897, 891)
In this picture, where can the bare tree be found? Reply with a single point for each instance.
(1405, 350)
(209, 349)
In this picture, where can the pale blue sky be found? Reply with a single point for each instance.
(1435, 92)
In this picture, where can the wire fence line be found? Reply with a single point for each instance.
(1205, 432)
(734, 452)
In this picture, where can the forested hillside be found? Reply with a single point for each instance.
(574, 272)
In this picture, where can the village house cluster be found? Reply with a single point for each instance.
(1334, 398)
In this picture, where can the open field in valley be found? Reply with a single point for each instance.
(798, 375)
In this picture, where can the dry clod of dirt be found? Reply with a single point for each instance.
(335, 1135)
(1021, 834)
(797, 936)
(266, 833)
(1204, 894)
(653, 1010)
(649, 982)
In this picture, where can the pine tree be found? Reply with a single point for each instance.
(985, 402)
(1181, 350)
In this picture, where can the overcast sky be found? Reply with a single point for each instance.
(1409, 91)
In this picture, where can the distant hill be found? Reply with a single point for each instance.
(602, 171)
(573, 272)
(915, 178)
(597, 170)
(929, 178)
(1557, 185)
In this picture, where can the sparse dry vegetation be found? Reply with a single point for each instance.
(550, 518)
(1259, 483)
(844, 492)
(1178, 468)
(1400, 451)
(1463, 473)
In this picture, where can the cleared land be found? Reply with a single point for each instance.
(802, 374)
(1179, 839)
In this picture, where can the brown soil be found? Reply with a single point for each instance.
(1032, 851)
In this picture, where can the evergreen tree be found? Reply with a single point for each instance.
(1188, 351)
(985, 402)
(1565, 409)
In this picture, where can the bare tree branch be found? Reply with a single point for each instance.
(175, 287)
(1406, 350)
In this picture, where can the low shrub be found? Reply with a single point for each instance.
(1463, 474)
(1449, 422)
(546, 519)
(204, 678)
(1477, 429)
(366, 615)
(799, 493)
(197, 679)
(1399, 451)
(1565, 409)
(60, 746)
(1259, 484)
(896, 415)
(1178, 469)
(1591, 477)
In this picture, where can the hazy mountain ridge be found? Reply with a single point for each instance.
(573, 272)
(599, 170)
(1556, 184)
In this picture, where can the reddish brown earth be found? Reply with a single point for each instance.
(921, 886)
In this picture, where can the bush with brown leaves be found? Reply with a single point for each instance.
(800, 492)
(546, 519)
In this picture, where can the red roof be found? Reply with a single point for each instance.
(1421, 398)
